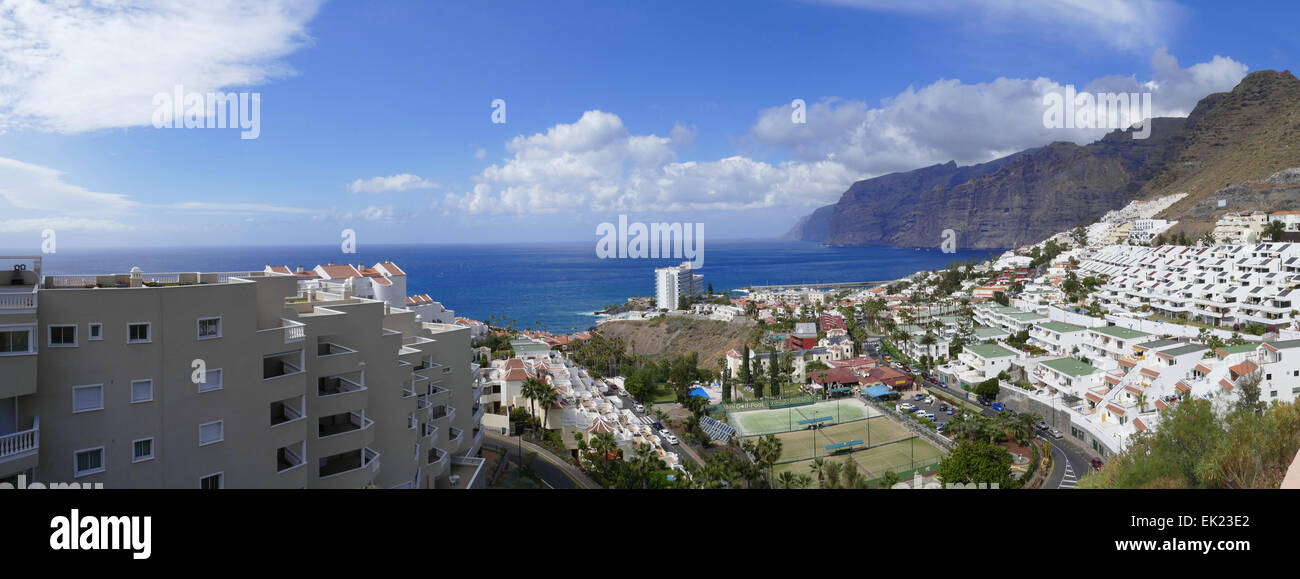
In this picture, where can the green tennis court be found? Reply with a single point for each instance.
(808, 444)
(900, 456)
(761, 422)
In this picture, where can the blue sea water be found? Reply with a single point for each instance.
(558, 285)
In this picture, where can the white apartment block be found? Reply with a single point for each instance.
(1144, 231)
(230, 380)
(1058, 338)
(674, 283)
(1221, 285)
(1242, 228)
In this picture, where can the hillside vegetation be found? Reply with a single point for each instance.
(671, 336)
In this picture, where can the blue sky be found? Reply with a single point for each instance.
(377, 116)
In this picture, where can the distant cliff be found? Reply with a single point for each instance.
(1023, 198)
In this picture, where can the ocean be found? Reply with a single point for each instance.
(557, 286)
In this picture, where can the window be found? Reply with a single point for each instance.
(209, 328)
(141, 391)
(211, 381)
(63, 336)
(213, 482)
(88, 461)
(211, 433)
(96, 332)
(142, 450)
(15, 341)
(137, 333)
(87, 398)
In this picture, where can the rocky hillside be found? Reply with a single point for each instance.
(1237, 137)
(1247, 133)
(672, 336)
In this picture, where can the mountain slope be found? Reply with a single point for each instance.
(1248, 133)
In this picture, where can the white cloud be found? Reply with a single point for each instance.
(1118, 24)
(36, 188)
(480, 154)
(61, 224)
(235, 208)
(597, 164)
(969, 123)
(376, 213)
(400, 182)
(73, 67)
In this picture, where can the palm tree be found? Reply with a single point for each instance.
(928, 340)
(768, 452)
(786, 480)
(533, 389)
(818, 468)
(548, 399)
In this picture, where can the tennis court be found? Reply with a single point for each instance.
(761, 422)
(808, 444)
(901, 456)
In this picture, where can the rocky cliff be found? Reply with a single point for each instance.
(1247, 133)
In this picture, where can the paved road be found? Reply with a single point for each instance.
(648, 418)
(555, 473)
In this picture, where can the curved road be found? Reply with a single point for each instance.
(555, 473)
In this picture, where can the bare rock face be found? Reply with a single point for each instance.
(1249, 133)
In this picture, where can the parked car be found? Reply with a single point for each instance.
(1056, 433)
(926, 414)
(670, 438)
(1096, 464)
(1042, 426)
(929, 399)
(984, 401)
(998, 407)
(907, 406)
(639, 407)
(951, 411)
(941, 427)
(918, 397)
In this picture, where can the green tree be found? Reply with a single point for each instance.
(977, 462)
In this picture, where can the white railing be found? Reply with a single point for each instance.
(21, 443)
(293, 331)
(23, 301)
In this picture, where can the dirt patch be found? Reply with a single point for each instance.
(669, 336)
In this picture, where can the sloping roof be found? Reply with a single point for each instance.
(1092, 397)
(391, 268)
(1115, 409)
(335, 271)
(1120, 332)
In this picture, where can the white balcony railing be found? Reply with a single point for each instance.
(21, 443)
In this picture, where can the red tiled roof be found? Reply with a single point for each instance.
(381, 281)
(1134, 389)
(1226, 385)
(1115, 409)
(392, 268)
(1092, 397)
(1160, 405)
(1138, 423)
(1150, 372)
(1243, 368)
(340, 271)
(1182, 387)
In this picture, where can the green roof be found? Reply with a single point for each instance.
(1240, 349)
(1026, 316)
(1070, 366)
(1156, 345)
(1285, 344)
(988, 351)
(1061, 327)
(987, 332)
(1120, 332)
(948, 320)
(1184, 350)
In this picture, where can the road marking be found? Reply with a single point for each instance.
(1069, 481)
(646, 420)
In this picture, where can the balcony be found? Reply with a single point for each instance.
(430, 432)
(336, 385)
(21, 444)
(442, 415)
(286, 411)
(478, 411)
(293, 331)
(437, 462)
(290, 457)
(361, 462)
(340, 424)
(282, 364)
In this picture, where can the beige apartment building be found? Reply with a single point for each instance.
(256, 379)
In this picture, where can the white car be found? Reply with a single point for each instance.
(907, 407)
(668, 436)
(639, 407)
(926, 414)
